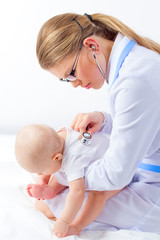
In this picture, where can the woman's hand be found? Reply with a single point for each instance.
(93, 121)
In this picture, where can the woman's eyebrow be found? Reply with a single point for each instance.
(65, 75)
(68, 71)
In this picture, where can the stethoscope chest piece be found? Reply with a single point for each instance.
(86, 138)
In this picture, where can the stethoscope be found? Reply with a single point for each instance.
(85, 138)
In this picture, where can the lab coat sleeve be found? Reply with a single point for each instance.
(135, 125)
(107, 125)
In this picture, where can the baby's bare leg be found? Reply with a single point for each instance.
(42, 207)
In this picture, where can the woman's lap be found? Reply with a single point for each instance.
(130, 209)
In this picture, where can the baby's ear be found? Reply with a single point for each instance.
(57, 156)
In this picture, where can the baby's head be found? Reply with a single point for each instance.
(38, 149)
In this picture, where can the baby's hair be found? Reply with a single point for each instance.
(61, 36)
(35, 145)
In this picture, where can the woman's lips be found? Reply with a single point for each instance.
(88, 86)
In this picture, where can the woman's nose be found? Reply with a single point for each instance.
(76, 83)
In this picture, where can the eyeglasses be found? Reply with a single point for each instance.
(71, 77)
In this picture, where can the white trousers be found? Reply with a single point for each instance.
(137, 207)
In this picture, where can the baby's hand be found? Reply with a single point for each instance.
(60, 228)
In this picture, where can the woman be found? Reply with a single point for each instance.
(88, 51)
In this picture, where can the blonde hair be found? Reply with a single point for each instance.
(61, 35)
(35, 145)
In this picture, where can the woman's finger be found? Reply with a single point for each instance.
(90, 122)
(74, 122)
(77, 121)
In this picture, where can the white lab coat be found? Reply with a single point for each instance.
(134, 125)
(135, 117)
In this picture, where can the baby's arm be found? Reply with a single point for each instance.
(73, 203)
(91, 210)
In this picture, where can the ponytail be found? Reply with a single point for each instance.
(107, 22)
(61, 36)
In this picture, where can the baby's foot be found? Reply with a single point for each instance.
(40, 192)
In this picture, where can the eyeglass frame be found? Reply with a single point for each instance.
(75, 64)
(73, 68)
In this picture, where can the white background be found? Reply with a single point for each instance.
(29, 94)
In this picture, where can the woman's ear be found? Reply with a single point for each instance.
(91, 43)
(57, 156)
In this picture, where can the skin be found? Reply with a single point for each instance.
(87, 79)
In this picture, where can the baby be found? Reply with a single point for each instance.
(60, 159)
